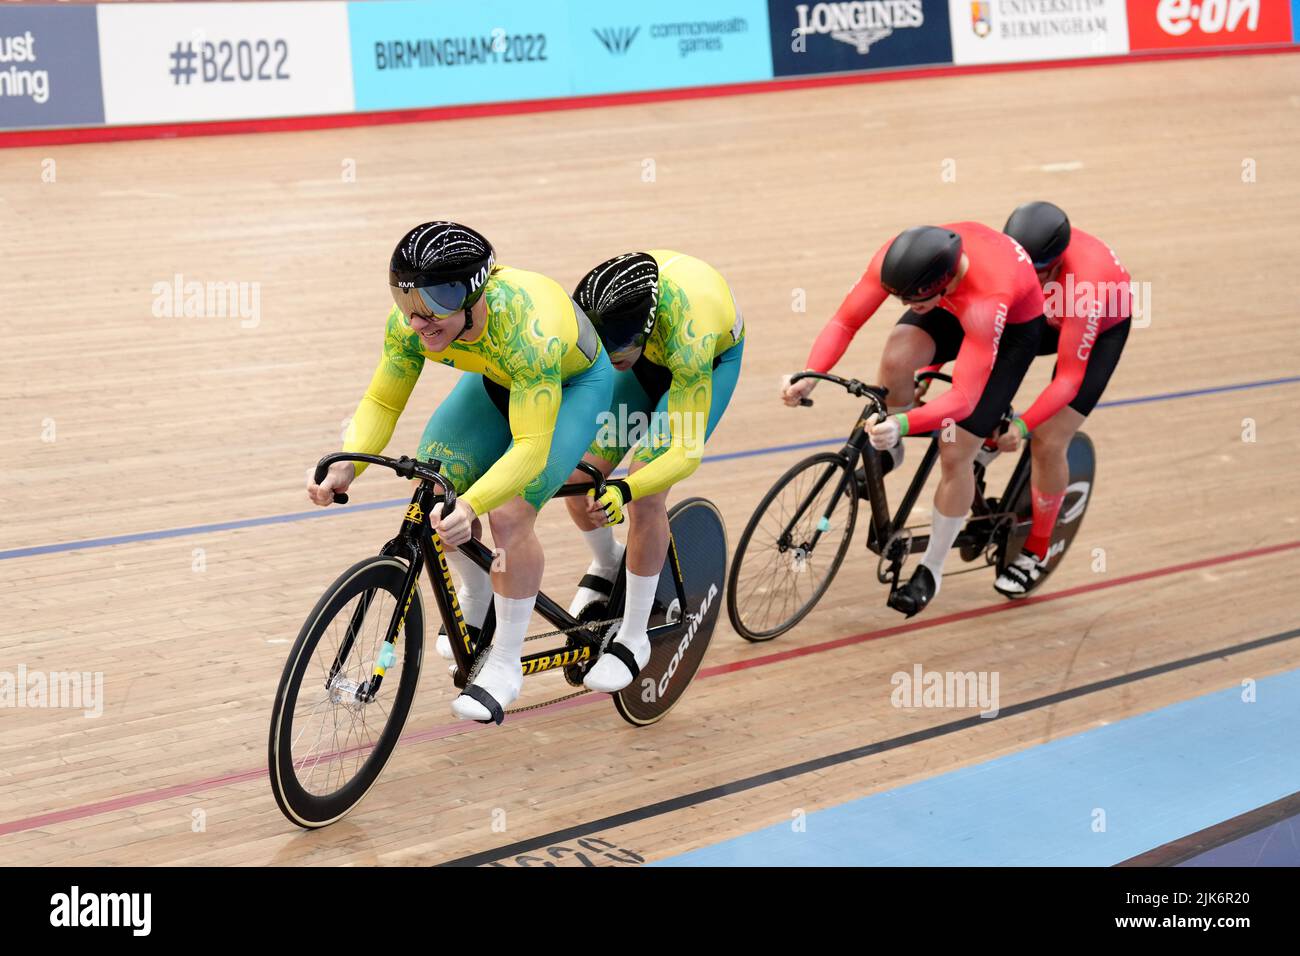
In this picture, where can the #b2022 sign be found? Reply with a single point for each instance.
(180, 62)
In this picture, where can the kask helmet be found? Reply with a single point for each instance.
(1043, 231)
(620, 297)
(920, 263)
(440, 268)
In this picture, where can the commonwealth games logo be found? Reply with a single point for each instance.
(617, 40)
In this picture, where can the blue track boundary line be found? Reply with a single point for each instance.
(91, 543)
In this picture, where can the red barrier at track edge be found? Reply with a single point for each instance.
(102, 134)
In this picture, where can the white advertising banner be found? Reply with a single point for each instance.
(177, 62)
(1007, 31)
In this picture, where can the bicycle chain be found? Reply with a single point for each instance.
(566, 631)
(536, 637)
(548, 703)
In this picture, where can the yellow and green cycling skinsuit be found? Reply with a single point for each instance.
(683, 380)
(522, 419)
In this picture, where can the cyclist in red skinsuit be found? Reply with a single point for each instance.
(985, 312)
(1088, 303)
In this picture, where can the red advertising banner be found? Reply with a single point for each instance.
(1178, 24)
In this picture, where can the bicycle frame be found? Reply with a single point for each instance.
(884, 528)
(420, 545)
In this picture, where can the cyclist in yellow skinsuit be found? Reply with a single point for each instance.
(675, 337)
(535, 380)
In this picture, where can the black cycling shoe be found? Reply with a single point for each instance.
(911, 599)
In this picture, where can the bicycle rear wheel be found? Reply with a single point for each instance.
(328, 741)
(792, 547)
(700, 541)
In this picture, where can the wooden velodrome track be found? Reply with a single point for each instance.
(166, 423)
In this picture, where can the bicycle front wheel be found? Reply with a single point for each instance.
(792, 547)
(331, 734)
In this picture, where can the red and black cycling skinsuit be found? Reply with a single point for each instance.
(991, 325)
(1088, 308)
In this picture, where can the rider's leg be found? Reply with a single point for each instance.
(1048, 480)
(465, 434)
(647, 542)
(957, 450)
(908, 348)
(621, 427)
(952, 498)
(515, 585)
(1050, 475)
(519, 573)
(647, 546)
(958, 446)
(1051, 468)
(473, 584)
(606, 551)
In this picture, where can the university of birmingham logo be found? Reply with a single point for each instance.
(617, 40)
(981, 18)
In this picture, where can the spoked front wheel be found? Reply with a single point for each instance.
(331, 732)
(792, 547)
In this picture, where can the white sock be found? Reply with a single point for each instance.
(609, 674)
(501, 674)
(606, 556)
(636, 608)
(473, 588)
(473, 592)
(943, 532)
(606, 551)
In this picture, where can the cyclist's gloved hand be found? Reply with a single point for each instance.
(886, 432)
(456, 528)
(609, 505)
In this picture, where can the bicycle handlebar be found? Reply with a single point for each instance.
(405, 467)
(852, 385)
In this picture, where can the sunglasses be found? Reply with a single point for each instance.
(438, 301)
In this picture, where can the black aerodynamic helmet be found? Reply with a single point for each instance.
(920, 263)
(620, 296)
(1043, 231)
(440, 268)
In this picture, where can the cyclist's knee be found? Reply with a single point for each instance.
(649, 507)
(896, 369)
(957, 451)
(1051, 443)
(512, 522)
